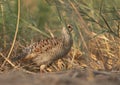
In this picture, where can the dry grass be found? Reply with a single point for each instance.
(98, 50)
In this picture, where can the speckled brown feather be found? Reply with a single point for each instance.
(42, 46)
(48, 50)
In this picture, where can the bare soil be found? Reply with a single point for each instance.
(70, 77)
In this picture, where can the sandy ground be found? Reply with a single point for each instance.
(70, 77)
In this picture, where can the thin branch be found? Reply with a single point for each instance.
(17, 25)
(108, 26)
(8, 60)
(16, 67)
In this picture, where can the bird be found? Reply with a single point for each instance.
(47, 51)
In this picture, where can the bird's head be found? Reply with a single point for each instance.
(67, 29)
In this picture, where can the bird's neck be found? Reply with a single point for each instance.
(67, 39)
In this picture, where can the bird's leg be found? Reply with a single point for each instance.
(42, 68)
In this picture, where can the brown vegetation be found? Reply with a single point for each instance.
(96, 37)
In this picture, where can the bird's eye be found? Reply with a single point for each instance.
(69, 26)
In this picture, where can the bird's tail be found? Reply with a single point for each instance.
(19, 57)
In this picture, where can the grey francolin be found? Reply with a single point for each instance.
(47, 51)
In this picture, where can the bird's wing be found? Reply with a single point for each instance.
(42, 47)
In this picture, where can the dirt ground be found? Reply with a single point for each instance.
(70, 77)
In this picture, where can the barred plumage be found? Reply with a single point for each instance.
(48, 50)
